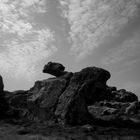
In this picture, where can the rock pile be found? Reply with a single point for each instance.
(75, 99)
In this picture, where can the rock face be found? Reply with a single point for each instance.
(75, 99)
(85, 87)
(43, 98)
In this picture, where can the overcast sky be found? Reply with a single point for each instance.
(76, 33)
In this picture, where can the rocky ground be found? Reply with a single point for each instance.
(70, 106)
(12, 130)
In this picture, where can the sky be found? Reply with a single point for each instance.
(76, 33)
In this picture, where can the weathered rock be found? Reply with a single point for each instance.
(55, 69)
(107, 111)
(17, 102)
(116, 114)
(85, 87)
(124, 96)
(43, 97)
(87, 128)
(133, 108)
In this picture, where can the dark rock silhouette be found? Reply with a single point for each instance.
(3, 102)
(1, 85)
(55, 69)
(78, 98)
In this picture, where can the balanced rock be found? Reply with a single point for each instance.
(17, 101)
(63, 99)
(55, 69)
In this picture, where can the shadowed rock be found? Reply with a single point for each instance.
(55, 69)
(124, 96)
(133, 108)
(85, 88)
(123, 114)
(43, 98)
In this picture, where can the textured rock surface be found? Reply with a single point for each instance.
(85, 87)
(17, 101)
(116, 113)
(43, 97)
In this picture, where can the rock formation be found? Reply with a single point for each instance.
(78, 98)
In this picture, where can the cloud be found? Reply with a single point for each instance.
(21, 59)
(15, 16)
(93, 21)
(128, 51)
(23, 45)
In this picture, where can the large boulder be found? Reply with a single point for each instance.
(43, 98)
(85, 87)
(55, 69)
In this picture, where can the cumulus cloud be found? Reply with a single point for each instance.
(129, 51)
(93, 21)
(23, 46)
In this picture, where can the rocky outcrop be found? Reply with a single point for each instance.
(85, 87)
(75, 99)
